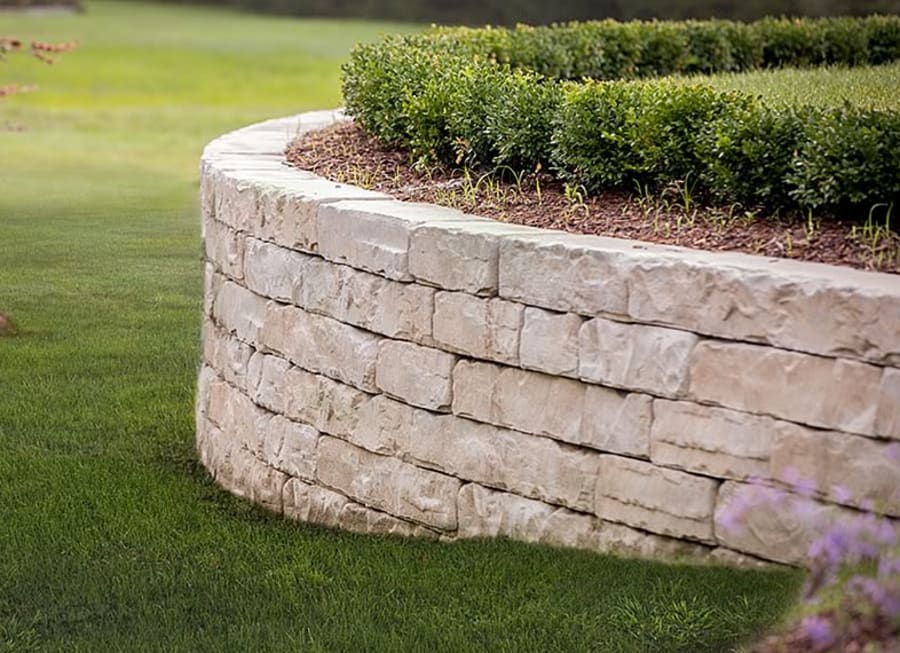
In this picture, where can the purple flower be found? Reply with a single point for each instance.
(818, 630)
(841, 494)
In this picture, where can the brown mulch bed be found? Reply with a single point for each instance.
(346, 154)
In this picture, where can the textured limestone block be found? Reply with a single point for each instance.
(240, 312)
(488, 513)
(207, 197)
(394, 309)
(228, 356)
(619, 539)
(242, 422)
(712, 441)
(235, 200)
(420, 376)
(795, 305)
(267, 381)
(374, 236)
(290, 447)
(460, 256)
(318, 505)
(772, 524)
(567, 273)
(887, 417)
(311, 503)
(385, 426)
(847, 469)
(729, 558)
(531, 466)
(635, 356)
(327, 405)
(825, 392)
(288, 211)
(225, 249)
(205, 379)
(322, 345)
(525, 401)
(245, 475)
(659, 500)
(212, 283)
(388, 484)
(482, 328)
(616, 422)
(273, 271)
(208, 438)
(549, 342)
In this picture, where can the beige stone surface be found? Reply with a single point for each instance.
(240, 312)
(322, 345)
(318, 505)
(527, 401)
(808, 307)
(565, 272)
(848, 469)
(616, 421)
(290, 447)
(460, 255)
(712, 441)
(482, 328)
(489, 513)
(329, 406)
(245, 475)
(825, 392)
(388, 484)
(887, 415)
(235, 199)
(659, 500)
(374, 236)
(212, 283)
(272, 271)
(549, 342)
(227, 355)
(772, 524)
(267, 381)
(420, 376)
(635, 356)
(371, 302)
(224, 248)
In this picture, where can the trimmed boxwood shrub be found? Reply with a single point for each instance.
(495, 97)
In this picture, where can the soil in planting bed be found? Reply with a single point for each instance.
(345, 153)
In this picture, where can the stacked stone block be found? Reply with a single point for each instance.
(408, 369)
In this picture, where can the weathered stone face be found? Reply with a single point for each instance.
(549, 342)
(481, 328)
(527, 401)
(405, 369)
(711, 441)
(834, 393)
(635, 357)
(421, 376)
(389, 485)
(846, 469)
(659, 500)
(773, 525)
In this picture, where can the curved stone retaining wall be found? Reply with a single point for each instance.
(395, 368)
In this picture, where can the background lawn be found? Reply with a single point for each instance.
(870, 87)
(111, 537)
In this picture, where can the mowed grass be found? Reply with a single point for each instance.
(869, 87)
(111, 536)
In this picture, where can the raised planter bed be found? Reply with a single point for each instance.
(405, 368)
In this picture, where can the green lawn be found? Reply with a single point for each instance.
(112, 538)
(871, 87)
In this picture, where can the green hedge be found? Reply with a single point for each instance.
(496, 97)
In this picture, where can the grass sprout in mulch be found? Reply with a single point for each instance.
(345, 153)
